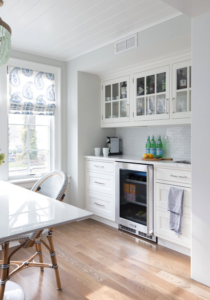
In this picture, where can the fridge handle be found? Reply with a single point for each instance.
(150, 202)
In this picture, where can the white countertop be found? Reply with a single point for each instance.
(138, 159)
(23, 211)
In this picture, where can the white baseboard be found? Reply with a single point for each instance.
(105, 221)
(175, 247)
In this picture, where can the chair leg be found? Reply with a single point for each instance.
(54, 261)
(39, 250)
(4, 269)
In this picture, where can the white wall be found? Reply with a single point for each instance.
(90, 132)
(200, 149)
(3, 106)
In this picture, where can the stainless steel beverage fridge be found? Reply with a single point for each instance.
(135, 199)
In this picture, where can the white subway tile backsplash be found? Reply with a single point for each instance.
(176, 140)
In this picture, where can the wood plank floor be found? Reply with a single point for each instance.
(98, 262)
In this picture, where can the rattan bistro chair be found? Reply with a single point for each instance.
(54, 186)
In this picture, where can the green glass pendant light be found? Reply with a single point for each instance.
(5, 40)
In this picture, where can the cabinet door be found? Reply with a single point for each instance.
(115, 100)
(151, 91)
(181, 106)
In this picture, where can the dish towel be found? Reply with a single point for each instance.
(175, 206)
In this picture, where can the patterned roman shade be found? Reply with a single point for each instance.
(31, 92)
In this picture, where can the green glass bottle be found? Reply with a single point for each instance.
(159, 150)
(148, 145)
(153, 146)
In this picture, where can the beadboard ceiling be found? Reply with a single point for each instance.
(65, 29)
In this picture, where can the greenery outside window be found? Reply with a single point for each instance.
(29, 138)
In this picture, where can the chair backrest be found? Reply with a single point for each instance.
(52, 185)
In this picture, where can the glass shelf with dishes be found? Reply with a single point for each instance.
(182, 90)
(115, 100)
(152, 94)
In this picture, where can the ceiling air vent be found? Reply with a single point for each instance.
(126, 43)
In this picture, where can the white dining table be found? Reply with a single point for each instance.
(23, 211)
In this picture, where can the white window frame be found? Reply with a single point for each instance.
(55, 123)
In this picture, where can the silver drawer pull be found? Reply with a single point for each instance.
(178, 176)
(98, 166)
(99, 182)
(99, 204)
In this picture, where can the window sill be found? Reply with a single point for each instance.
(26, 182)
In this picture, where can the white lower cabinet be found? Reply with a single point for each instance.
(100, 188)
(162, 229)
(161, 215)
(101, 205)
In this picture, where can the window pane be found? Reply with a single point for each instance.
(17, 138)
(38, 137)
(140, 106)
(39, 120)
(161, 82)
(115, 110)
(39, 162)
(161, 104)
(150, 84)
(18, 163)
(150, 105)
(123, 106)
(115, 91)
(182, 78)
(181, 101)
(17, 119)
(140, 87)
(108, 110)
(123, 90)
(107, 92)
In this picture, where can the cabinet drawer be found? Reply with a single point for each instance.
(100, 166)
(100, 205)
(174, 175)
(162, 229)
(100, 182)
(161, 197)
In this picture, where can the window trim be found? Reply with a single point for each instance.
(55, 140)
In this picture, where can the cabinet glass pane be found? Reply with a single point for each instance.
(161, 82)
(150, 105)
(150, 84)
(123, 106)
(140, 87)
(181, 78)
(140, 106)
(115, 91)
(115, 109)
(189, 100)
(123, 89)
(190, 71)
(108, 110)
(161, 104)
(181, 101)
(107, 92)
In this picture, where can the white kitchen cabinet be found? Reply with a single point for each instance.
(162, 229)
(100, 188)
(181, 87)
(151, 94)
(163, 181)
(115, 100)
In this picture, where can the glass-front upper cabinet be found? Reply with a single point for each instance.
(182, 90)
(151, 94)
(115, 100)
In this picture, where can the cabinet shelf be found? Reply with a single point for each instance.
(136, 182)
(136, 202)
